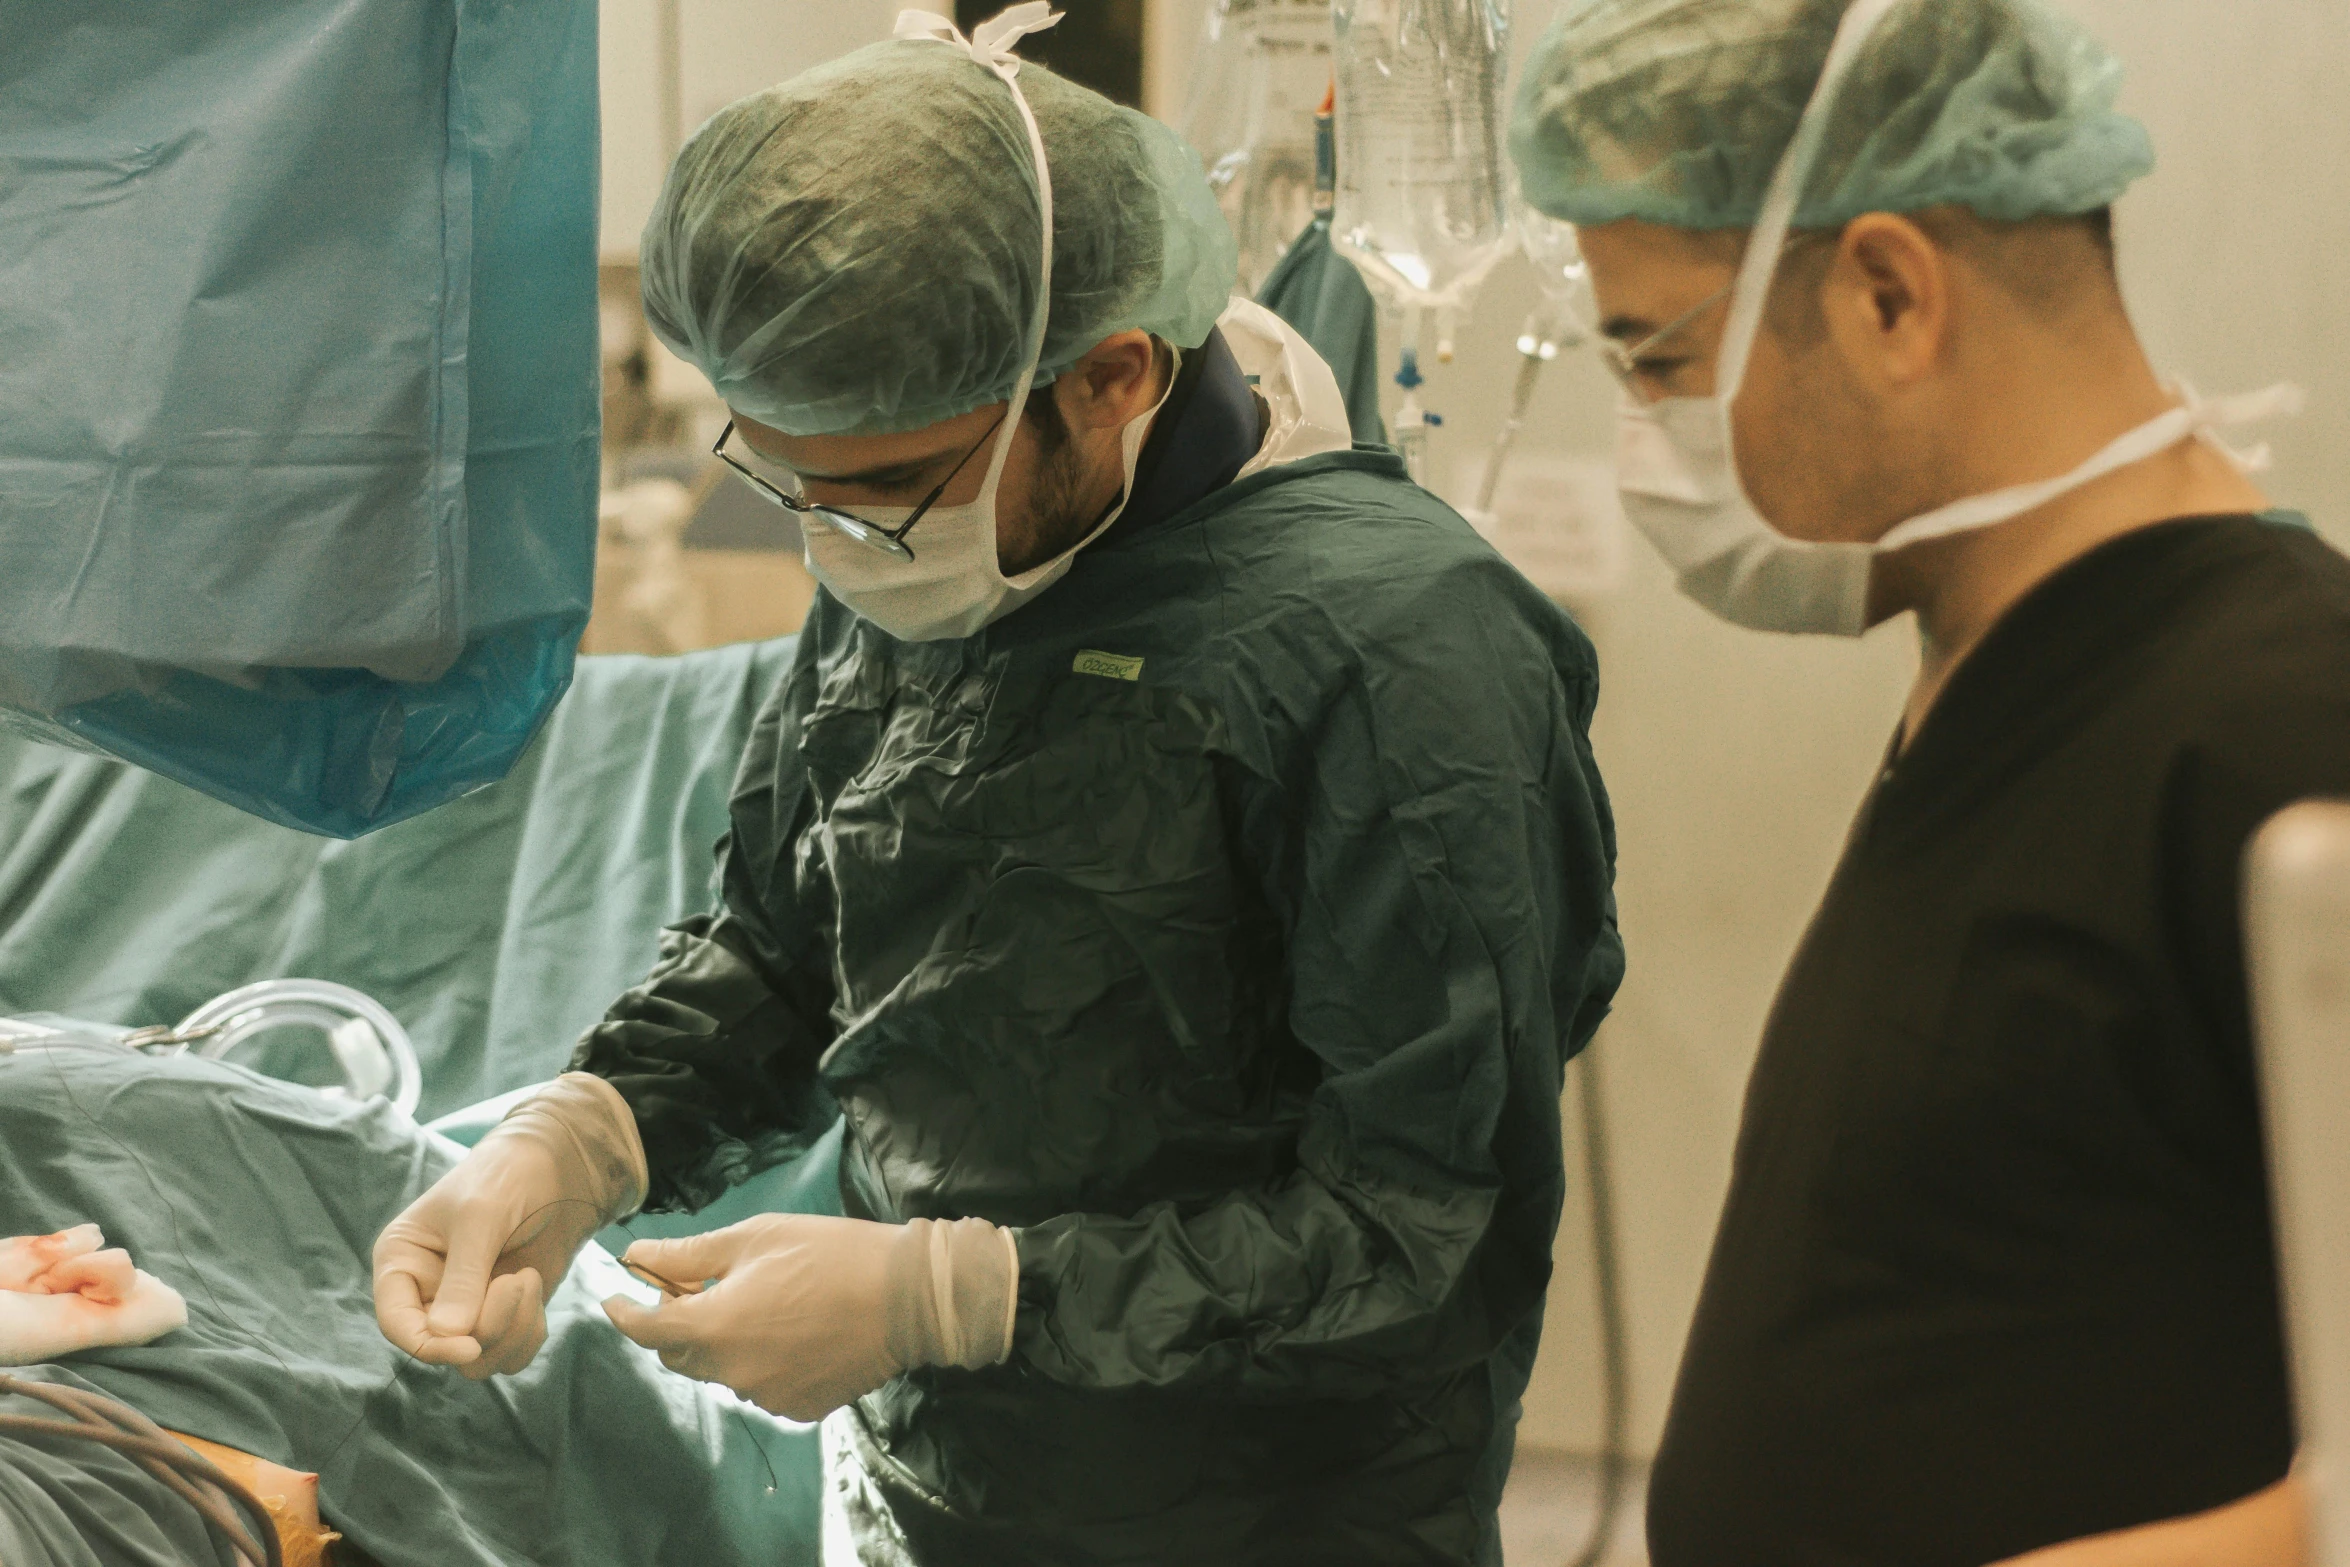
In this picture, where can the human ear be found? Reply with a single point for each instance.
(1887, 300)
(1112, 385)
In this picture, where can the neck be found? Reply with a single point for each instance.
(1961, 586)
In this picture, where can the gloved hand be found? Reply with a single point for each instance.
(461, 1278)
(809, 1312)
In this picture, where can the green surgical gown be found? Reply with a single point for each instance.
(1224, 921)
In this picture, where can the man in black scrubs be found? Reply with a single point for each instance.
(1995, 1274)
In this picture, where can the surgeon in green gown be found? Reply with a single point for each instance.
(1176, 852)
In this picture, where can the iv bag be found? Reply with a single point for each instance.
(1563, 319)
(298, 390)
(1423, 188)
(1262, 71)
(1555, 251)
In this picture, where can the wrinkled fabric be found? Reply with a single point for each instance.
(495, 928)
(298, 390)
(1678, 111)
(258, 1201)
(857, 250)
(1224, 922)
(65, 1502)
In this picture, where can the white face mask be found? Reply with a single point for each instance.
(955, 584)
(1677, 466)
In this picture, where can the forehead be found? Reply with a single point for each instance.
(1641, 269)
(851, 453)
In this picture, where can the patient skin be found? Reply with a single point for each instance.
(289, 1496)
(74, 1304)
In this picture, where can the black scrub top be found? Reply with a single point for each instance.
(1996, 1267)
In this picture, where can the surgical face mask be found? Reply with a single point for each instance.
(954, 585)
(1677, 466)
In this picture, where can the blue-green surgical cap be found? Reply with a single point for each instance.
(857, 251)
(1677, 111)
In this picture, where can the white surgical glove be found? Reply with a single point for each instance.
(462, 1277)
(809, 1312)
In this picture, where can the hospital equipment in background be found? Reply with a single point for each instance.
(1324, 298)
(1422, 204)
(683, 560)
(1443, 173)
(1560, 321)
(1556, 517)
(1423, 184)
(326, 563)
(649, 517)
(370, 1050)
(367, 1043)
(1261, 70)
(2297, 940)
(1438, 207)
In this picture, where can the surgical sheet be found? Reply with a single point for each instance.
(495, 928)
(298, 395)
(270, 1198)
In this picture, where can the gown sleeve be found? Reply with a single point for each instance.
(716, 1050)
(1438, 844)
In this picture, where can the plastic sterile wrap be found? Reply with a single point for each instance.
(298, 390)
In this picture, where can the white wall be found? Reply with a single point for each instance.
(1735, 760)
(728, 49)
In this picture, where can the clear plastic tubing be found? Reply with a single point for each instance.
(1559, 322)
(369, 1045)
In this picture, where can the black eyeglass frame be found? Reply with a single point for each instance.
(889, 541)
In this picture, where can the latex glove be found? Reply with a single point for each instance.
(809, 1312)
(462, 1277)
(59, 1293)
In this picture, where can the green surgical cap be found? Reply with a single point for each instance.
(1677, 112)
(857, 251)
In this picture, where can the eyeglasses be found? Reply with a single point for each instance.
(1630, 364)
(890, 541)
